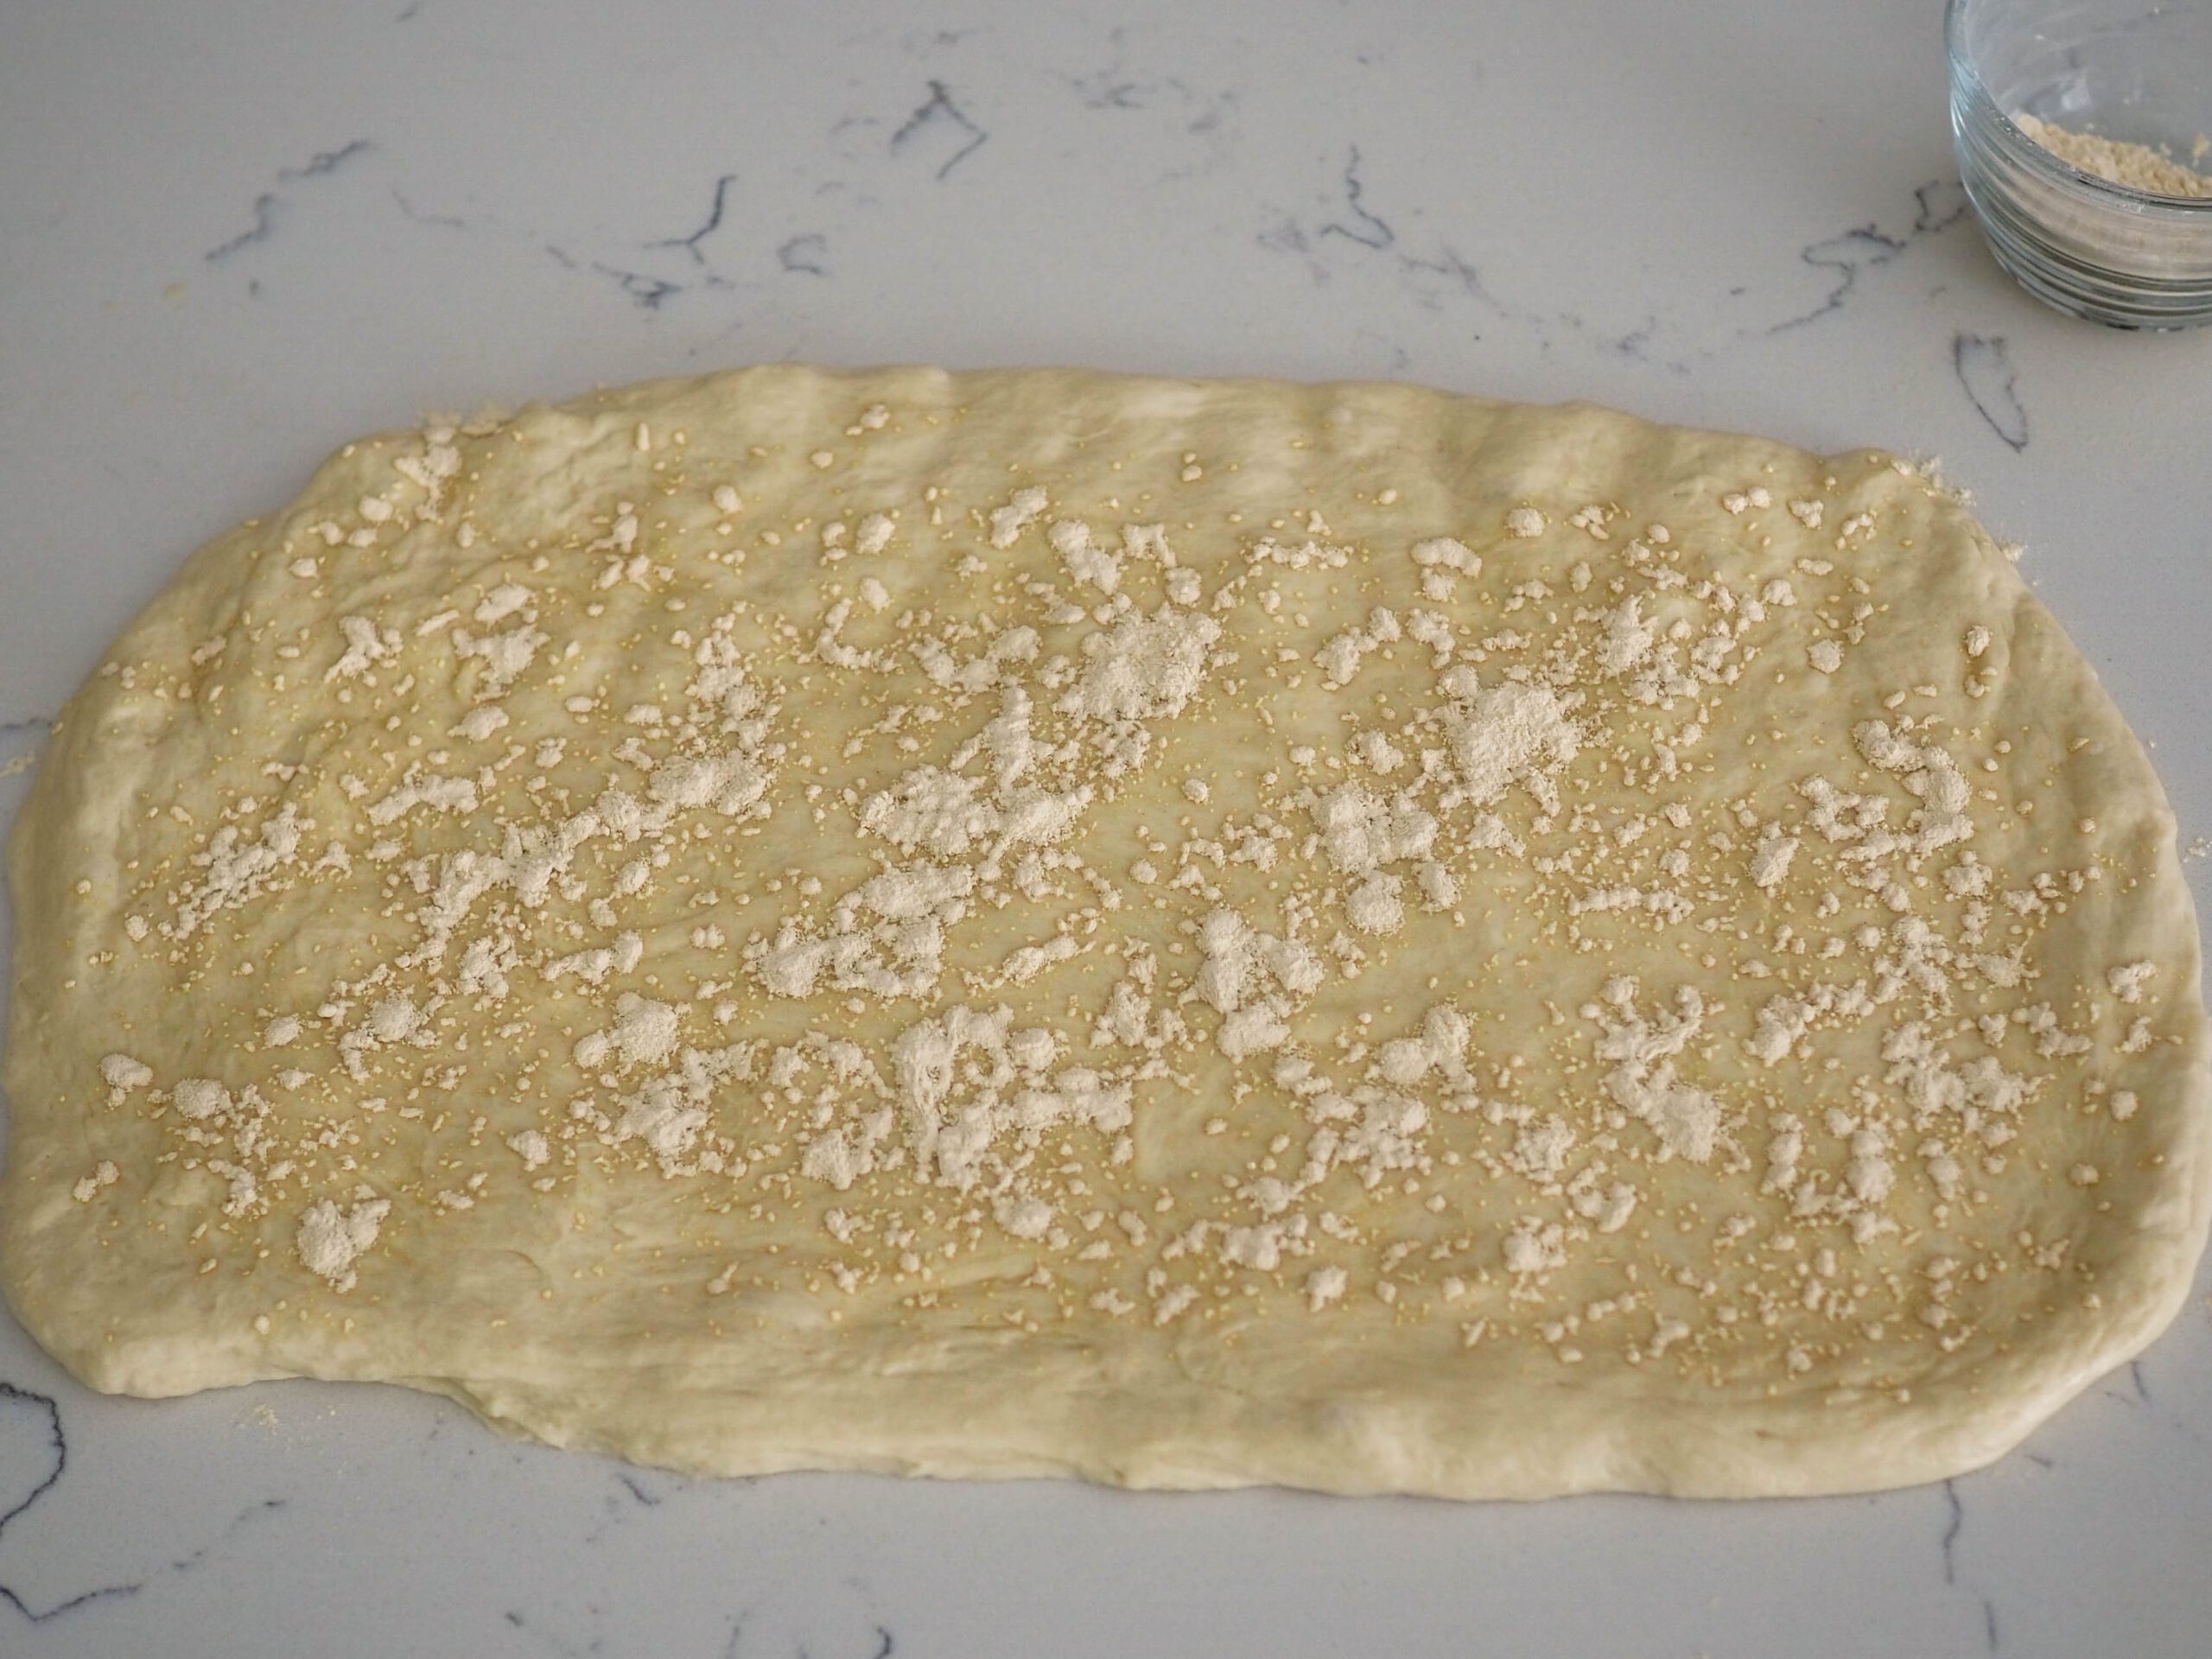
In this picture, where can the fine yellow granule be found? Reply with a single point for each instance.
(2135, 167)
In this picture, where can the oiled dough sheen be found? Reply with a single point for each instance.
(1179, 932)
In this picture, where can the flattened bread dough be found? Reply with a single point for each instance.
(1185, 933)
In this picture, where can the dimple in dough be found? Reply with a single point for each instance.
(1180, 933)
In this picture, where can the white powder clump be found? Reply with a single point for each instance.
(1686, 1119)
(331, 1240)
(1375, 906)
(1021, 512)
(456, 795)
(644, 1033)
(1535, 1247)
(1024, 1218)
(1254, 1030)
(594, 965)
(121, 1071)
(1441, 559)
(1086, 560)
(235, 870)
(1239, 964)
(481, 721)
(1147, 667)
(1932, 776)
(1782, 1021)
(931, 808)
(1440, 888)
(532, 1147)
(199, 1098)
(1770, 859)
(1257, 1247)
(730, 782)
(396, 1020)
(875, 532)
(504, 655)
(502, 602)
(1237, 956)
(1338, 658)
(1629, 637)
(1323, 1286)
(1525, 522)
(363, 647)
(1508, 733)
(2127, 979)
(1445, 553)
(104, 1174)
(1442, 1045)
(1361, 831)
(664, 1117)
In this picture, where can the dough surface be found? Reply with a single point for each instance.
(1185, 933)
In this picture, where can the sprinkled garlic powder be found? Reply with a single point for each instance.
(965, 884)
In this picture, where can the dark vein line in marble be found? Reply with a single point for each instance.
(1938, 205)
(1105, 89)
(265, 210)
(648, 1499)
(1634, 343)
(1984, 367)
(270, 206)
(647, 292)
(886, 1644)
(805, 252)
(547, 1640)
(1957, 1524)
(940, 107)
(918, 41)
(1113, 88)
(1862, 247)
(60, 1446)
(409, 210)
(326, 161)
(1449, 262)
(1372, 231)
(714, 222)
(1989, 1623)
(2135, 1374)
(21, 729)
(245, 1518)
(1943, 203)
(1285, 235)
(58, 1443)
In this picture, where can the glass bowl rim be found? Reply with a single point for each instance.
(2051, 165)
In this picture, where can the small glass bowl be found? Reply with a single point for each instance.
(2127, 70)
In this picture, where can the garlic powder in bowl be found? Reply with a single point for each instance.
(2080, 127)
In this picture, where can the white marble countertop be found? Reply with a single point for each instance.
(233, 235)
